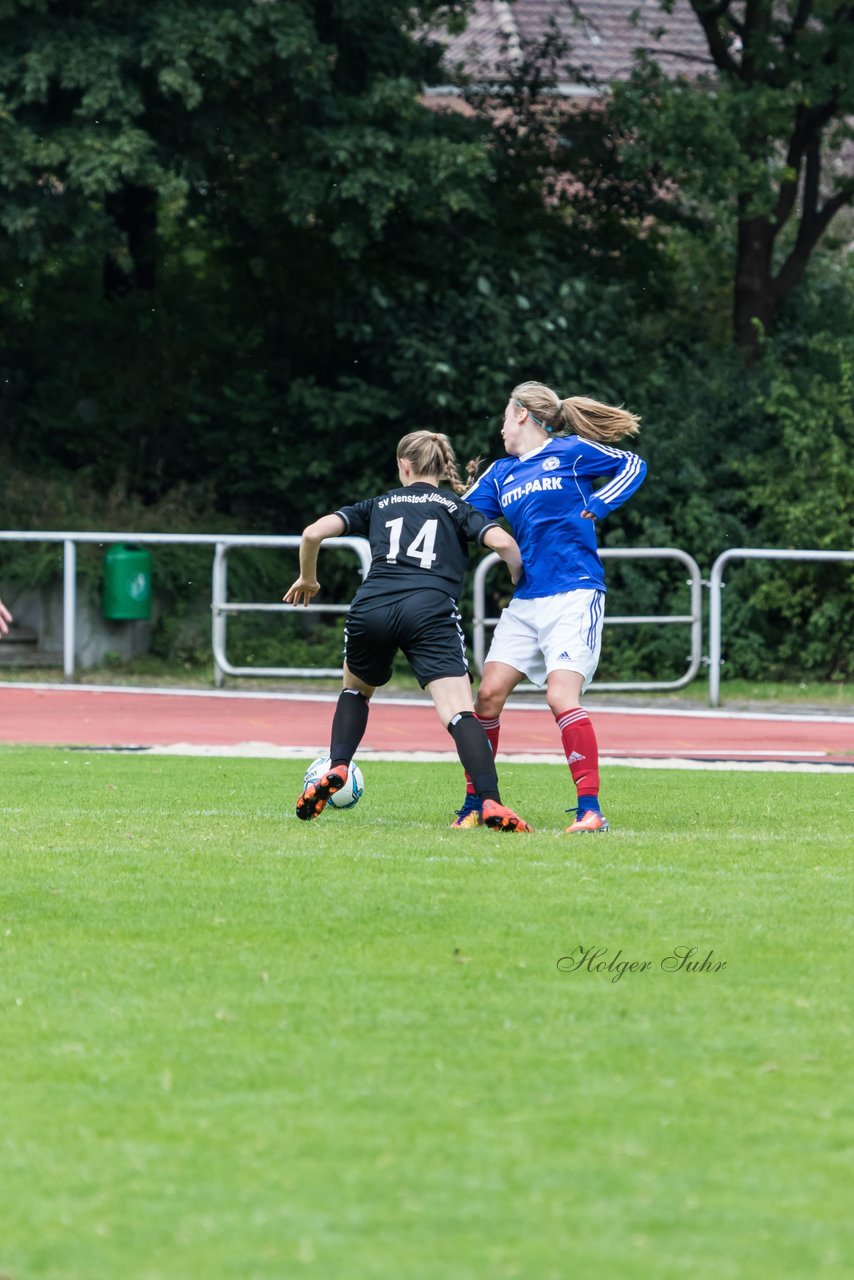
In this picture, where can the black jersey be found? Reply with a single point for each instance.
(419, 538)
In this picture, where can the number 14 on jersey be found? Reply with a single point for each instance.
(421, 548)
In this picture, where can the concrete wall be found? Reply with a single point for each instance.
(41, 609)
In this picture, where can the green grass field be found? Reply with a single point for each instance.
(236, 1045)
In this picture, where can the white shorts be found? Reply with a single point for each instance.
(551, 633)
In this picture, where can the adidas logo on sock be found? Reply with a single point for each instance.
(575, 757)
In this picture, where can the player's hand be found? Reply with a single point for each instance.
(587, 515)
(516, 575)
(302, 591)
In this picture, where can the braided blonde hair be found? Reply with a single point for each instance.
(578, 415)
(431, 454)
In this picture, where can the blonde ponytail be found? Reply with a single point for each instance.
(602, 423)
(578, 415)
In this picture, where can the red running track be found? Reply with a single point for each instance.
(76, 716)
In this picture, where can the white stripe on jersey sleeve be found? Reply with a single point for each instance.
(605, 448)
(609, 492)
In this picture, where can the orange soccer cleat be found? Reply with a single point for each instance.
(587, 823)
(470, 815)
(499, 818)
(316, 795)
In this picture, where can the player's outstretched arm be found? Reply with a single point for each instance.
(5, 619)
(306, 586)
(500, 540)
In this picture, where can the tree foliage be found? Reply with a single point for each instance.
(763, 141)
(202, 204)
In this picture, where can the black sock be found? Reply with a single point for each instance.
(348, 725)
(475, 753)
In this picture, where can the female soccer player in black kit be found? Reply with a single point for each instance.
(418, 535)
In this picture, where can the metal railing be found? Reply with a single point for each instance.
(221, 606)
(716, 585)
(694, 619)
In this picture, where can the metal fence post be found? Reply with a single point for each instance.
(69, 608)
(715, 588)
(218, 620)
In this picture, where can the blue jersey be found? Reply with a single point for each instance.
(542, 494)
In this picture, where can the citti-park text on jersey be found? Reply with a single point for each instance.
(417, 497)
(533, 486)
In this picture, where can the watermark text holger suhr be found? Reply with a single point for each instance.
(681, 959)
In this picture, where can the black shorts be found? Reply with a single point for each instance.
(424, 624)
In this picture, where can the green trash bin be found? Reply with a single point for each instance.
(127, 582)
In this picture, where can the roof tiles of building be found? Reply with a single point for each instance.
(603, 35)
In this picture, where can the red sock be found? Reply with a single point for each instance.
(492, 728)
(581, 749)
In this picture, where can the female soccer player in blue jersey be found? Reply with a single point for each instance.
(419, 535)
(551, 631)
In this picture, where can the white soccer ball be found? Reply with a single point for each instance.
(350, 793)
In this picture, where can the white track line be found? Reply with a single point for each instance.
(268, 751)
(389, 700)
